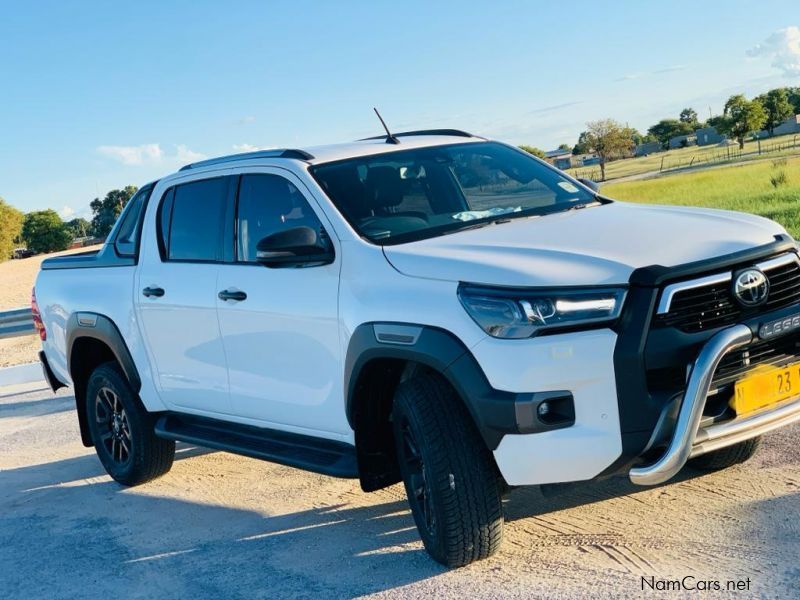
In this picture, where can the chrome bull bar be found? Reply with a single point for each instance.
(688, 440)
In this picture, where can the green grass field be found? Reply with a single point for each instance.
(745, 188)
(694, 155)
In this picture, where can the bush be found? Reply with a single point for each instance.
(778, 179)
(10, 227)
(44, 231)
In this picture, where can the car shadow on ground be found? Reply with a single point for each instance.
(66, 520)
(532, 501)
(37, 408)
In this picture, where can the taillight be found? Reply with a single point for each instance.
(37, 317)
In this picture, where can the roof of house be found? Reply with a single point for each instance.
(558, 153)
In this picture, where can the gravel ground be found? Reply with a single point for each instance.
(219, 526)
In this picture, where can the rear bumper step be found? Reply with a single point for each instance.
(294, 450)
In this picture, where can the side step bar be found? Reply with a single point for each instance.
(291, 449)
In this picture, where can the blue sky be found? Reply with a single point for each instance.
(95, 96)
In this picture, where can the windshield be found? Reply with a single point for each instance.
(415, 194)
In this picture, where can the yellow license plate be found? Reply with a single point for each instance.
(766, 386)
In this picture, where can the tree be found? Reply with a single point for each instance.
(689, 116)
(742, 117)
(582, 147)
(794, 98)
(777, 106)
(719, 123)
(609, 140)
(533, 150)
(564, 147)
(666, 129)
(108, 209)
(44, 231)
(78, 227)
(10, 228)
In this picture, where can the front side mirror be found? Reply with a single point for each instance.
(592, 185)
(295, 247)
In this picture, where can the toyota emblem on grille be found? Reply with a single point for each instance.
(751, 287)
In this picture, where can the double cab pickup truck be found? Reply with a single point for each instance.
(429, 307)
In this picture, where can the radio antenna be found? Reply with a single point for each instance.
(390, 139)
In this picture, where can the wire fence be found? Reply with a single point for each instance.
(704, 157)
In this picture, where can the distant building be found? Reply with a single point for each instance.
(586, 160)
(560, 159)
(708, 136)
(647, 148)
(682, 141)
(790, 125)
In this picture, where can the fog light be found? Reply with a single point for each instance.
(544, 409)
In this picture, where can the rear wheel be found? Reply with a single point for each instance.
(450, 477)
(122, 430)
(726, 457)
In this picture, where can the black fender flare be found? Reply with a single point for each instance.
(102, 328)
(495, 412)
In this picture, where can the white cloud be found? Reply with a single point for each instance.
(246, 120)
(246, 148)
(669, 69)
(150, 154)
(184, 154)
(67, 212)
(133, 155)
(783, 47)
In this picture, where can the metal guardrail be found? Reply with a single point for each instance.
(16, 322)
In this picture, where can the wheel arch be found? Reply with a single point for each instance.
(381, 355)
(91, 340)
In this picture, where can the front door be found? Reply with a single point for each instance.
(280, 325)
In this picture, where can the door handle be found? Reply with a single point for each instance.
(235, 295)
(153, 291)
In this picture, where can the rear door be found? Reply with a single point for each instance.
(281, 337)
(177, 293)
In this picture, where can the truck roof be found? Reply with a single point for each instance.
(332, 152)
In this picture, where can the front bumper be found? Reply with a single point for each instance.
(688, 439)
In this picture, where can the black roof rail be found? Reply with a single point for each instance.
(450, 132)
(276, 153)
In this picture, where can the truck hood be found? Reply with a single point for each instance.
(592, 246)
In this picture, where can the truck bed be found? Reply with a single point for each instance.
(104, 257)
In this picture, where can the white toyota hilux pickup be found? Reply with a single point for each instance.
(428, 307)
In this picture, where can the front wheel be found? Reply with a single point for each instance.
(122, 430)
(449, 474)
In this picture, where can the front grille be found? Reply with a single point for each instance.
(733, 366)
(776, 352)
(713, 306)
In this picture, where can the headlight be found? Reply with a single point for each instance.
(512, 313)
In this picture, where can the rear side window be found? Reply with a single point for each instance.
(191, 220)
(127, 239)
(269, 204)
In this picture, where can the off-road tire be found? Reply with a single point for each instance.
(459, 474)
(726, 457)
(147, 456)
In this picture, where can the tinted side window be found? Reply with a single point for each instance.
(268, 204)
(196, 222)
(127, 240)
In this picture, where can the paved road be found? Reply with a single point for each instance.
(220, 526)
